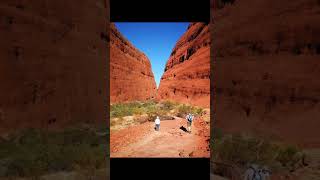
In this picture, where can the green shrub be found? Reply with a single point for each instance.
(198, 111)
(183, 110)
(129, 109)
(149, 103)
(31, 153)
(242, 149)
(152, 114)
(121, 110)
(28, 158)
(152, 109)
(287, 155)
(168, 105)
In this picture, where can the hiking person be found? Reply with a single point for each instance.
(254, 172)
(266, 173)
(157, 123)
(189, 122)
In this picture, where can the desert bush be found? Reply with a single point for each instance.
(183, 110)
(141, 119)
(288, 155)
(198, 111)
(149, 103)
(32, 153)
(243, 149)
(152, 109)
(113, 122)
(168, 105)
(118, 110)
(152, 114)
(132, 108)
(26, 154)
(128, 109)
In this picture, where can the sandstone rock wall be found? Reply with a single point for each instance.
(266, 68)
(187, 72)
(131, 77)
(52, 63)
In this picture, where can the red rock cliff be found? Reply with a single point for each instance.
(187, 73)
(52, 63)
(266, 68)
(131, 77)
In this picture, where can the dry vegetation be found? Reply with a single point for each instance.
(232, 153)
(127, 114)
(33, 153)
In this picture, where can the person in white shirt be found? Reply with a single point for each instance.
(157, 123)
(189, 118)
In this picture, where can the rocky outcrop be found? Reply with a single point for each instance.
(52, 63)
(131, 77)
(266, 68)
(187, 72)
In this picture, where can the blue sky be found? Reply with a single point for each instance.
(156, 40)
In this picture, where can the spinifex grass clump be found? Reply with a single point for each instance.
(151, 107)
(169, 105)
(128, 109)
(32, 153)
(126, 114)
(241, 150)
(24, 154)
(183, 110)
(121, 110)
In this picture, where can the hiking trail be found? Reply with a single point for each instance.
(171, 141)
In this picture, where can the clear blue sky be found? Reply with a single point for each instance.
(155, 40)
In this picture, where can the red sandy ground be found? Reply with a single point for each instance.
(143, 141)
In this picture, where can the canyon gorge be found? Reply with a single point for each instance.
(186, 77)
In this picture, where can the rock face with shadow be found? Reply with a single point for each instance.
(266, 68)
(52, 63)
(186, 77)
(131, 77)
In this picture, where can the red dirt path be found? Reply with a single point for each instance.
(143, 141)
